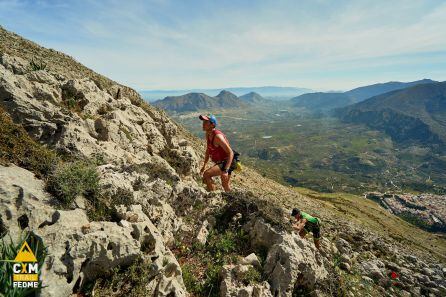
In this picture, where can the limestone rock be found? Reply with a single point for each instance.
(262, 234)
(78, 118)
(203, 233)
(16, 65)
(373, 269)
(79, 250)
(251, 259)
(291, 260)
(233, 285)
(343, 246)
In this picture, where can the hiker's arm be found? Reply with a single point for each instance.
(221, 141)
(299, 226)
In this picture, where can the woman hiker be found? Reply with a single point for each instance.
(220, 152)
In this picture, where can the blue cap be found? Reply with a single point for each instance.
(211, 118)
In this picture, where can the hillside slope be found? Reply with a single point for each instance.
(416, 114)
(366, 92)
(253, 98)
(324, 102)
(122, 210)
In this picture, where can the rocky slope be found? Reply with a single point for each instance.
(160, 215)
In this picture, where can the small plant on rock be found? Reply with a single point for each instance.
(72, 179)
(37, 65)
(252, 276)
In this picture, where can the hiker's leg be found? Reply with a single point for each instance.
(317, 236)
(207, 177)
(302, 233)
(317, 243)
(225, 182)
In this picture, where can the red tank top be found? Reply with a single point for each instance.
(217, 153)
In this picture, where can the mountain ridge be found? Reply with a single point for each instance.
(416, 113)
(324, 102)
(265, 91)
(199, 101)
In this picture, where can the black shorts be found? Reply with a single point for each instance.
(222, 165)
(313, 228)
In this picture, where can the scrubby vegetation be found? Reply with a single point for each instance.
(226, 244)
(18, 148)
(202, 264)
(65, 180)
(37, 65)
(72, 179)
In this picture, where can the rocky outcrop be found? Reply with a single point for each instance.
(291, 261)
(79, 250)
(78, 118)
(239, 280)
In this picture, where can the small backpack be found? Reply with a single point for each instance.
(238, 163)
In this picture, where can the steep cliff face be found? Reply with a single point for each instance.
(159, 217)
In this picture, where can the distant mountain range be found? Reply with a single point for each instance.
(200, 101)
(323, 102)
(253, 98)
(270, 92)
(414, 114)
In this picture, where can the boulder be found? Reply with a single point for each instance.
(292, 263)
(343, 246)
(374, 269)
(203, 232)
(251, 259)
(261, 233)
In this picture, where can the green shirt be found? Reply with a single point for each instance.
(309, 218)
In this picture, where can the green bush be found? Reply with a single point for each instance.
(8, 251)
(224, 243)
(35, 66)
(72, 179)
(414, 220)
(190, 281)
(252, 276)
(121, 281)
(211, 286)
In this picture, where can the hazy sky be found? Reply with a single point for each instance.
(318, 44)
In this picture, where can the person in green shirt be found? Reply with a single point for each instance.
(306, 223)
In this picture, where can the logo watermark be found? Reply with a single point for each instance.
(25, 269)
